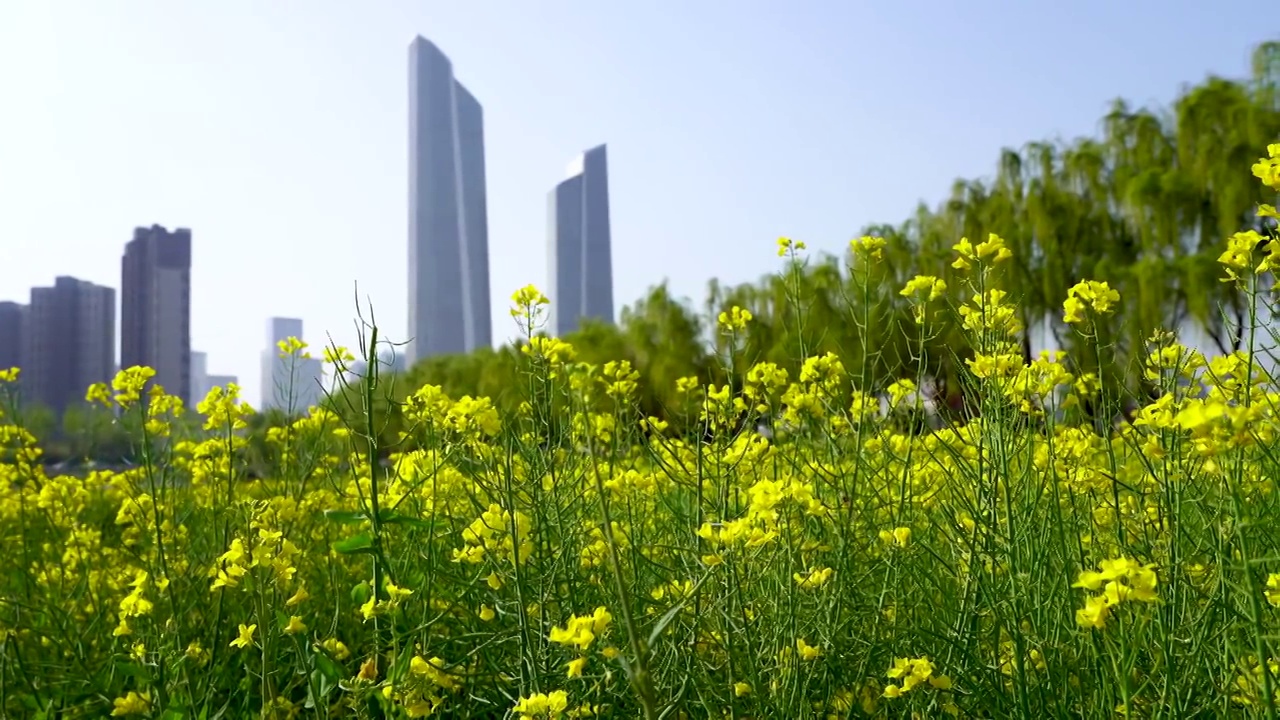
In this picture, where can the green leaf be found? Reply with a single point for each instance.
(670, 615)
(362, 543)
(322, 687)
(396, 519)
(401, 667)
(345, 517)
(662, 624)
(327, 668)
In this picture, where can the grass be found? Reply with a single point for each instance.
(1022, 563)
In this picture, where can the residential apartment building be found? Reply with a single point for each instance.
(155, 312)
(68, 342)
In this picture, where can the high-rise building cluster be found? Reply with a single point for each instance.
(448, 222)
(64, 338)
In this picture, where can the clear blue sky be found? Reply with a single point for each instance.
(277, 131)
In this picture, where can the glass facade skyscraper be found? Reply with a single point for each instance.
(448, 217)
(579, 253)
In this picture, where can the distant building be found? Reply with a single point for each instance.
(199, 376)
(222, 381)
(155, 311)
(356, 370)
(68, 343)
(289, 382)
(448, 216)
(388, 362)
(579, 252)
(201, 381)
(392, 361)
(12, 317)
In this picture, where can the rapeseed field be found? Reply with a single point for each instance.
(1026, 561)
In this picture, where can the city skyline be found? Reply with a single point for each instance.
(155, 306)
(448, 288)
(579, 245)
(693, 194)
(281, 139)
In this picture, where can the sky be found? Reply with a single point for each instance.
(278, 131)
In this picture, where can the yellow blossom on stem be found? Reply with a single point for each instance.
(133, 703)
(527, 301)
(787, 246)
(900, 537)
(1268, 169)
(245, 637)
(1120, 580)
(735, 319)
(1088, 295)
(868, 246)
(542, 706)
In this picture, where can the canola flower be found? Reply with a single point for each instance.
(1119, 580)
(579, 557)
(1085, 296)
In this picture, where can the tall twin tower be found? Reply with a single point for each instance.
(449, 229)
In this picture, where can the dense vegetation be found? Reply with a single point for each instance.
(591, 546)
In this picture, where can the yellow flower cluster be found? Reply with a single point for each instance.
(913, 673)
(543, 706)
(787, 246)
(582, 630)
(868, 246)
(1088, 295)
(1268, 169)
(989, 252)
(1120, 580)
(735, 319)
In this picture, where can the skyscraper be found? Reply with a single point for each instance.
(580, 256)
(69, 342)
(289, 382)
(155, 306)
(448, 216)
